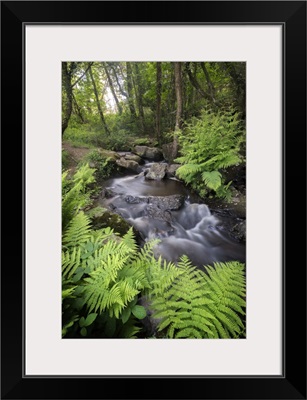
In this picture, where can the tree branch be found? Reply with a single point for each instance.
(84, 73)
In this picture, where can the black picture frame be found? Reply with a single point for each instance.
(292, 16)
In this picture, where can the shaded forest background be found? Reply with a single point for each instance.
(112, 104)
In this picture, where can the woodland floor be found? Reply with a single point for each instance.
(75, 155)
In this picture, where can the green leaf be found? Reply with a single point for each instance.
(83, 332)
(82, 322)
(78, 290)
(78, 303)
(139, 312)
(78, 276)
(133, 302)
(212, 179)
(89, 247)
(126, 314)
(90, 319)
(85, 255)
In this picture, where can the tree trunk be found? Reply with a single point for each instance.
(119, 107)
(179, 101)
(196, 84)
(178, 89)
(98, 102)
(209, 82)
(239, 81)
(158, 110)
(139, 97)
(67, 107)
(78, 110)
(84, 73)
(130, 90)
(118, 82)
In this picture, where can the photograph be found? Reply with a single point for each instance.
(154, 200)
(161, 188)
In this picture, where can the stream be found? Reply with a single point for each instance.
(166, 210)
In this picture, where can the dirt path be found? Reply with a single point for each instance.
(75, 155)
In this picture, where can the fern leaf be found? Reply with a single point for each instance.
(202, 305)
(70, 262)
(187, 172)
(212, 179)
(78, 231)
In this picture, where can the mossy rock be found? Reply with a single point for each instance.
(106, 219)
(112, 155)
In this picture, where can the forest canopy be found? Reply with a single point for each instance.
(105, 103)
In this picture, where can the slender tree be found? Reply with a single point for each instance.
(179, 101)
(77, 109)
(130, 89)
(119, 107)
(67, 71)
(139, 96)
(119, 85)
(237, 73)
(159, 93)
(209, 82)
(196, 84)
(103, 121)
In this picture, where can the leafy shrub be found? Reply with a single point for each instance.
(208, 145)
(104, 163)
(82, 136)
(102, 276)
(75, 193)
(118, 141)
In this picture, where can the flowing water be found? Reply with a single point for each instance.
(190, 229)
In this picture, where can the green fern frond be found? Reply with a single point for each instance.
(84, 175)
(78, 231)
(227, 159)
(187, 172)
(129, 240)
(212, 179)
(160, 276)
(202, 305)
(74, 193)
(71, 260)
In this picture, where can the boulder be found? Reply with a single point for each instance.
(134, 157)
(171, 170)
(168, 152)
(128, 164)
(111, 155)
(150, 153)
(237, 203)
(173, 202)
(239, 231)
(136, 199)
(114, 221)
(156, 172)
(155, 212)
(108, 193)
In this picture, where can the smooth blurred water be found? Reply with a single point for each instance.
(191, 230)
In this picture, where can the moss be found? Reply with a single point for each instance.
(112, 220)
